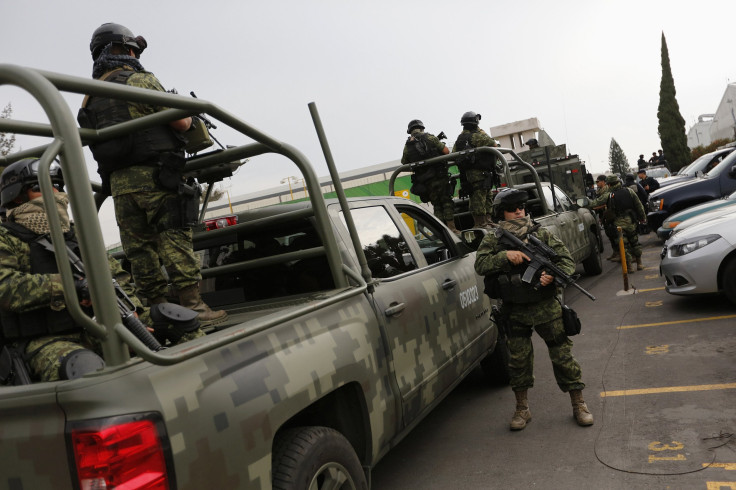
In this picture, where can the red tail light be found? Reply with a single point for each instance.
(120, 454)
(215, 223)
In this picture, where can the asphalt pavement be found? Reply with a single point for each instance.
(660, 381)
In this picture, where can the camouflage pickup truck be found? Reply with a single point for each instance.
(549, 205)
(348, 322)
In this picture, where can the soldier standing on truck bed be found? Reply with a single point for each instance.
(154, 205)
(431, 183)
(527, 307)
(477, 171)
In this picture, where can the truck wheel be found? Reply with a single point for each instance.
(593, 264)
(729, 280)
(496, 365)
(314, 458)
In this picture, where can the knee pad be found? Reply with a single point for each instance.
(78, 363)
(172, 321)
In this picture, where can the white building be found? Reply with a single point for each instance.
(721, 125)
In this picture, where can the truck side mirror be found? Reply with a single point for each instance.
(732, 172)
(472, 237)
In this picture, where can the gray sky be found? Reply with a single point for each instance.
(588, 69)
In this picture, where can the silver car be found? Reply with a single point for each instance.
(702, 258)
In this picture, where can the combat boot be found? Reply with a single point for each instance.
(579, 409)
(190, 298)
(522, 415)
(451, 225)
(639, 265)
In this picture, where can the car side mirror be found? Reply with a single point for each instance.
(472, 237)
(732, 172)
(582, 202)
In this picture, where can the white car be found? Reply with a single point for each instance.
(702, 258)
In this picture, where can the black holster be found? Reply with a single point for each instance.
(13, 368)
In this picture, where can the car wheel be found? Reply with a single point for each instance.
(315, 458)
(729, 280)
(593, 264)
(496, 365)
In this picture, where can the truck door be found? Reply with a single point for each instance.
(430, 298)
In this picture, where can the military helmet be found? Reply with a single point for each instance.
(118, 34)
(470, 117)
(506, 198)
(414, 123)
(612, 179)
(20, 175)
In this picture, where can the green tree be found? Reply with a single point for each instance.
(671, 126)
(617, 160)
(6, 141)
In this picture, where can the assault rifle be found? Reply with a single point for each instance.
(125, 305)
(541, 256)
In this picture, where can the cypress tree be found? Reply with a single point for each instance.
(671, 126)
(617, 160)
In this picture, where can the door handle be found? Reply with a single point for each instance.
(394, 309)
(449, 284)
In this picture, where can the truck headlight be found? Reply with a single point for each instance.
(692, 245)
(656, 204)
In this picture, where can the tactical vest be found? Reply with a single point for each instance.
(419, 147)
(622, 202)
(42, 321)
(508, 286)
(474, 161)
(141, 148)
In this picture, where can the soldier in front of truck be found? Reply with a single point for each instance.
(430, 182)
(478, 171)
(527, 307)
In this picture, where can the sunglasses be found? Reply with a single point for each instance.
(513, 207)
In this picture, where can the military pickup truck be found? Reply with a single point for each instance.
(549, 205)
(348, 322)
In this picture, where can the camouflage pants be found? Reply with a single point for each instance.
(481, 196)
(139, 216)
(46, 353)
(612, 233)
(630, 234)
(521, 363)
(441, 199)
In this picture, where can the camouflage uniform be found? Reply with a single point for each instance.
(438, 185)
(629, 225)
(22, 291)
(481, 195)
(608, 227)
(141, 209)
(544, 317)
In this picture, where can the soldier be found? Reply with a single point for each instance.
(154, 206)
(34, 315)
(527, 308)
(632, 184)
(598, 205)
(477, 170)
(627, 211)
(430, 183)
(641, 163)
(649, 184)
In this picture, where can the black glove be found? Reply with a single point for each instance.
(80, 285)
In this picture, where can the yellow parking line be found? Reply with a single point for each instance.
(725, 466)
(725, 317)
(670, 389)
(650, 289)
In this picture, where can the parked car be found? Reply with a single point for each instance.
(659, 172)
(702, 258)
(703, 164)
(696, 214)
(719, 182)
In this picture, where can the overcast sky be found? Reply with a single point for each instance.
(589, 70)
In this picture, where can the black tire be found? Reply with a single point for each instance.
(729, 280)
(311, 458)
(593, 264)
(496, 365)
